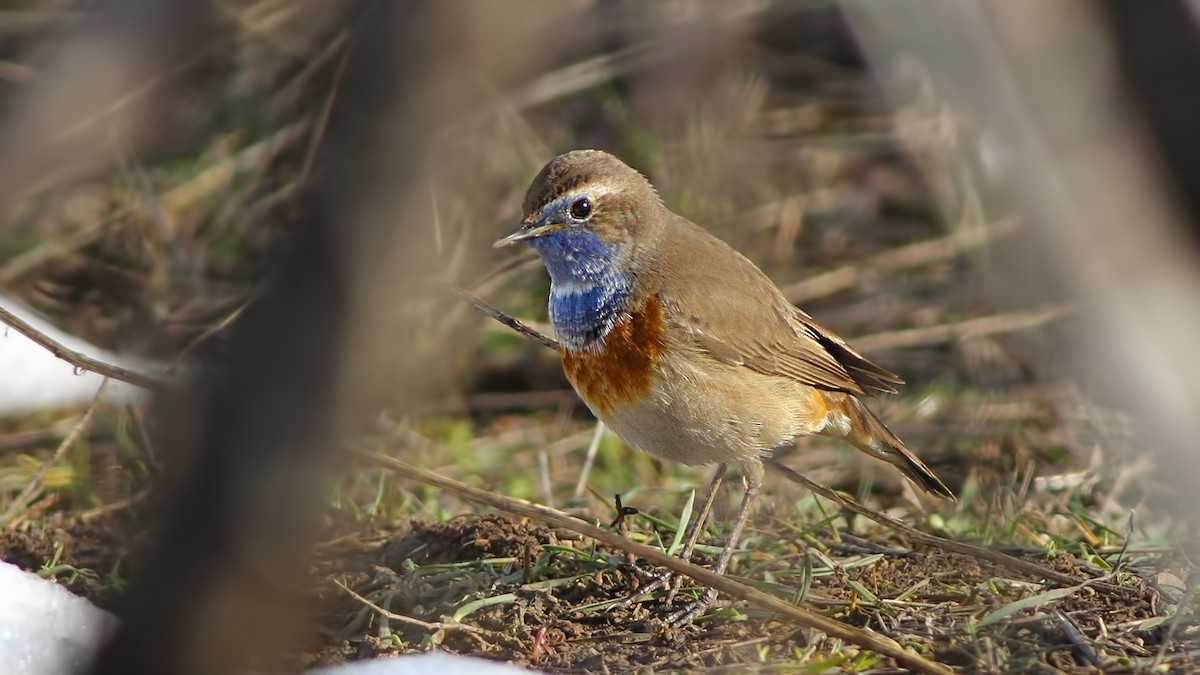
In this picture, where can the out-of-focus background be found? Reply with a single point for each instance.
(902, 170)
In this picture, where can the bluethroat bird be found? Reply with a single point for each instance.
(682, 346)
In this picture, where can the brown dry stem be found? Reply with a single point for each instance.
(804, 617)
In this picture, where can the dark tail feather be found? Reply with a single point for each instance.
(867, 433)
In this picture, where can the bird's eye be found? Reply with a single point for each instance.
(581, 208)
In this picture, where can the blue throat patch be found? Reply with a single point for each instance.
(587, 292)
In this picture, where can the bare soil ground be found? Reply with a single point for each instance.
(500, 589)
(528, 595)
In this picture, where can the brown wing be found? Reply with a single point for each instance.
(866, 374)
(732, 311)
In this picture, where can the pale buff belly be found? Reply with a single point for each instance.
(718, 413)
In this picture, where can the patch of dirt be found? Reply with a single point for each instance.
(465, 539)
(89, 558)
(535, 590)
(541, 627)
(540, 610)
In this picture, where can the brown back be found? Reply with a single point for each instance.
(732, 311)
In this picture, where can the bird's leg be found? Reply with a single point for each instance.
(696, 527)
(689, 544)
(754, 481)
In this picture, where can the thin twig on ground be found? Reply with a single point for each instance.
(1078, 640)
(81, 361)
(479, 634)
(866, 639)
(112, 507)
(972, 550)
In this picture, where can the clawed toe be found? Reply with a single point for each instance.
(675, 616)
(655, 581)
(691, 611)
(676, 584)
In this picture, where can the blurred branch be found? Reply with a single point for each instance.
(986, 325)
(515, 324)
(1157, 46)
(97, 80)
(77, 359)
(1083, 116)
(250, 440)
(19, 265)
(252, 445)
(581, 75)
(905, 257)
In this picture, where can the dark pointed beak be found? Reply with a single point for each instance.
(525, 233)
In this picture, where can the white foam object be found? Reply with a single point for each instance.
(435, 663)
(47, 630)
(44, 628)
(34, 379)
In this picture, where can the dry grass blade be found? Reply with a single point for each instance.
(20, 441)
(857, 636)
(906, 257)
(224, 171)
(589, 459)
(10, 517)
(208, 334)
(988, 325)
(589, 73)
(972, 550)
(20, 265)
(12, 20)
(1032, 602)
(526, 260)
(914, 337)
(15, 72)
(75, 358)
(426, 625)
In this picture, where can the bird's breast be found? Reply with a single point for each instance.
(620, 367)
(583, 313)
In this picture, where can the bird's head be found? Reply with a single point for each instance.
(584, 213)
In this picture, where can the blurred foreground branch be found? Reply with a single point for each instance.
(249, 441)
(1081, 115)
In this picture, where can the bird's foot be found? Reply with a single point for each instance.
(651, 582)
(691, 611)
(676, 583)
(657, 580)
